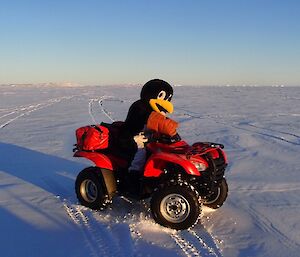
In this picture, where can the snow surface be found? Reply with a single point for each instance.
(39, 213)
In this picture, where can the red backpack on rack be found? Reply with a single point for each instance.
(92, 138)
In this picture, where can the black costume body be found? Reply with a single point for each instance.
(138, 115)
(135, 122)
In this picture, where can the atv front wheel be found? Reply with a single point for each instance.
(176, 206)
(90, 189)
(218, 197)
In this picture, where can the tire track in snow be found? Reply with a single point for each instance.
(188, 241)
(106, 113)
(211, 249)
(97, 238)
(263, 187)
(266, 135)
(26, 110)
(274, 130)
(12, 109)
(187, 247)
(74, 216)
(98, 234)
(258, 130)
(265, 224)
(91, 110)
(100, 104)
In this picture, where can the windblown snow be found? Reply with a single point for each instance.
(39, 212)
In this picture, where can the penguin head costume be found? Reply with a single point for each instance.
(155, 96)
(158, 94)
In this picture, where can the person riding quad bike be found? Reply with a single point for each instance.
(178, 177)
(145, 116)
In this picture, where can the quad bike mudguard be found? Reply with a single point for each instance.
(100, 160)
(157, 162)
(104, 166)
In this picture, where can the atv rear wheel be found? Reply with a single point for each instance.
(218, 197)
(176, 206)
(90, 189)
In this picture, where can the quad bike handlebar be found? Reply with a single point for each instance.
(154, 137)
(210, 144)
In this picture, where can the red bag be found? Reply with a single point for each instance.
(91, 138)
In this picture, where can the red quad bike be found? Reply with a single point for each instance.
(178, 177)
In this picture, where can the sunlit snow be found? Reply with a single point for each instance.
(39, 213)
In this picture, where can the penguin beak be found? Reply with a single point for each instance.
(161, 106)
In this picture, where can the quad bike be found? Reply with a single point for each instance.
(178, 178)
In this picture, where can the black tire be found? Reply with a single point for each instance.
(90, 189)
(176, 206)
(218, 197)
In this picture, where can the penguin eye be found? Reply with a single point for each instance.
(161, 95)
(170, 98)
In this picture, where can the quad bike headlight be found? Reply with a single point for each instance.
(200, 166)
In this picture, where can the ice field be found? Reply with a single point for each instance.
(39, 212)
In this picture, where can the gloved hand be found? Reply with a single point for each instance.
(161, 124)
(140, 140)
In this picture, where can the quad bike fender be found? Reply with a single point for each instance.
(106, 178)
(157, 162)
(110, 182)
(99, 159)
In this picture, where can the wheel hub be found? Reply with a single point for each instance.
(175, 208)
(88, 190)
(213, 197)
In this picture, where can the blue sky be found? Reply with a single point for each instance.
(200, 42)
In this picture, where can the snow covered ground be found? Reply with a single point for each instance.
(39, 214)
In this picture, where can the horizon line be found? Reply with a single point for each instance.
(76, 84)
